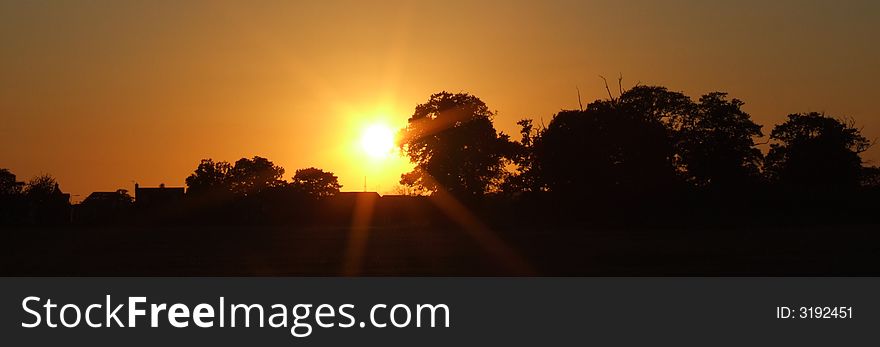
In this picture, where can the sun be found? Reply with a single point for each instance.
(377, 141)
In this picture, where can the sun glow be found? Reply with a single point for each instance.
(368, 151)
(377, 141)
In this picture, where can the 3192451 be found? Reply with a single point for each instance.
(814, 312)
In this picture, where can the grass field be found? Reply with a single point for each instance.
(434, 251)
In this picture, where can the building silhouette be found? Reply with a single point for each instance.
(157, 196)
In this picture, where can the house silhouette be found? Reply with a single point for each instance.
(157, 196)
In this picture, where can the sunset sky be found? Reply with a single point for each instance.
(102, 94)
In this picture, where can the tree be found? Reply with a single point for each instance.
(649, 117)
(315, 183)
(525, 176)
(209, 176)
(42, 188)
(616, 147)
(454, 145)
(816, 153)
(46, 202)
(715, 143)
(252, 176)
(655, 104)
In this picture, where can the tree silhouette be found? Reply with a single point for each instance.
(251, 176)
(525, 176)
(454, 145)
(654, 104)
(715, 143)
(615, 146)
(42, 188)
(816, 153)
(209, 176)
(644, 129)
(46, 202)
(315, 183)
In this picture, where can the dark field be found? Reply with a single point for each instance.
(265, 251)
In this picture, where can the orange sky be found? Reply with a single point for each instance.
(102, 94)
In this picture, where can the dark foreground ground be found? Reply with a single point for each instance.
(258, 251)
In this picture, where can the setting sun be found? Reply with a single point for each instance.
(377, 141)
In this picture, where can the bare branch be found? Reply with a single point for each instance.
(619, 84)
(580, 104)
(611, 97)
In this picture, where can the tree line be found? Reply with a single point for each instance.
(255, 176)
(646, 152)
(648, 155)
(646, 141)
(214, 189)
